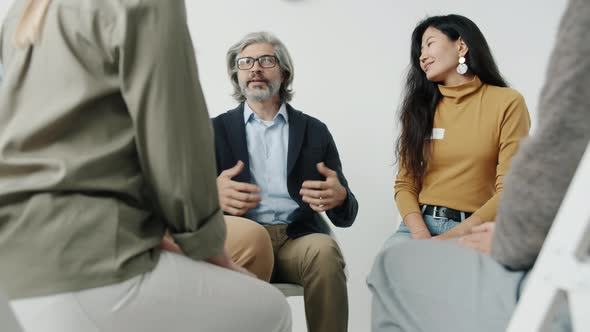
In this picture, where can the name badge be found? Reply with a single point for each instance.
(438, 133)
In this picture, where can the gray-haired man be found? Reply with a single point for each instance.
(278, 168)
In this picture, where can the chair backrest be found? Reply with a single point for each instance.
(8, 322)
(562, 269)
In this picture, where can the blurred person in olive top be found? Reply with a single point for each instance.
(461, 126)
(278, 168)
(106, 143)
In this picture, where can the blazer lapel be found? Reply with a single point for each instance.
(297, 125)
(236, 131)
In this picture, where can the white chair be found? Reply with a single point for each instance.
(297, 290)
(563, 265)
(8, 322)
(289, 289)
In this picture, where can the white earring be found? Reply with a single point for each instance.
(462, 67)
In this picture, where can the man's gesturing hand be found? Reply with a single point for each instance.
(323, 195)
(236, 198)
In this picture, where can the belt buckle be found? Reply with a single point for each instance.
(434, 216)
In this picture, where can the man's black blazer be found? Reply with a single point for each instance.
(310, 142)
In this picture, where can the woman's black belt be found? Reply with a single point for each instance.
(438, 212)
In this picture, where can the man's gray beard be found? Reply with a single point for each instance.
(260, 94)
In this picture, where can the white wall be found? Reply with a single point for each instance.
(350, 58)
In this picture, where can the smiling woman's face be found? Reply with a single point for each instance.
(439, 56)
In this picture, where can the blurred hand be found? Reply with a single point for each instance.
(236, 198)
(225, 261)
(323, 195)
(480, 238)
(168, 244)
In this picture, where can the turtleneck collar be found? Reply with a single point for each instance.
(458, 93)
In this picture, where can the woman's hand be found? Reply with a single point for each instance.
(223, 259)
(168, 244)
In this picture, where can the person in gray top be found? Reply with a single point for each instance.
(106, 143)
(482, 285)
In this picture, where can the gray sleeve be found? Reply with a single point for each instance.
(173, 131)
(543, 168)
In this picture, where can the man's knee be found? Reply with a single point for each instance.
(324, 254)
(250, 246)
(245, 234)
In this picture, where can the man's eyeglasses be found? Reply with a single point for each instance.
(265, 61)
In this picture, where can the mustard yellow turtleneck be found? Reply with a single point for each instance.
(477, 131)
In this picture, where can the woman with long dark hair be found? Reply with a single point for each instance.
(461, 125)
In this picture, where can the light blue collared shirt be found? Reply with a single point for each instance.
(267, 143)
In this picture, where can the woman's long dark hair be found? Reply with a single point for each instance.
(421, 96)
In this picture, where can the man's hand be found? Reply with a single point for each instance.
(323, 195)
(480, 238)
(236, 198)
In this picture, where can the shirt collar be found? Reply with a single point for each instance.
(249, 113)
